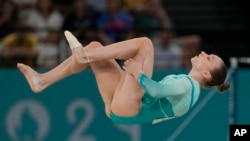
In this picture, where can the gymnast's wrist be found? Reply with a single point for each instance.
(141, 74)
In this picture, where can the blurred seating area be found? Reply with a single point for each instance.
(31, 31)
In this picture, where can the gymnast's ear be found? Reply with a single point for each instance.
(206, 75)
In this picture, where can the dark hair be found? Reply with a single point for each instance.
(218, 78)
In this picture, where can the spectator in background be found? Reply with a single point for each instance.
(46, 21)
(48, 56)
(99, 5)
(190, 45)
(168, 53)
(114, 23)
(44, 18)
(24, 3)
(81, 21)
(24, 7)
(63, 6)
(20, 46)
(133, 6)
(151, 19)
(172, 52)
(8, 15)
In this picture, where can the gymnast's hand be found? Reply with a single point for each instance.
(134, 67)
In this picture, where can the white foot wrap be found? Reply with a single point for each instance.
(85, 52)
(73, 42)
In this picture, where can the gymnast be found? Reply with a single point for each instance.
(129, 93)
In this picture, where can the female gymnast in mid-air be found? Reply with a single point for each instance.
(130, 95)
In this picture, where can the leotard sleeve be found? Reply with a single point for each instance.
(171, 87)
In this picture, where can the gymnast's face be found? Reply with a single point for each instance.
(206, 63)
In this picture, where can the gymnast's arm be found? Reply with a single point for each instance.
(177, 86)
(161, 89)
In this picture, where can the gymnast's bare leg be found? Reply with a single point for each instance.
(39, 81)
(104, 71)
(108, 74)
(127, 96)
(121, 96)
(111, 79)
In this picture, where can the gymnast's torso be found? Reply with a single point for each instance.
(169, 98)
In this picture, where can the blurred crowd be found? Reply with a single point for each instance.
(31, 31)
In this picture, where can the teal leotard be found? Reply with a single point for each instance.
(169, 98)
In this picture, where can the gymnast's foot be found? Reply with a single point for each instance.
(79, 53)
(33, 78)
